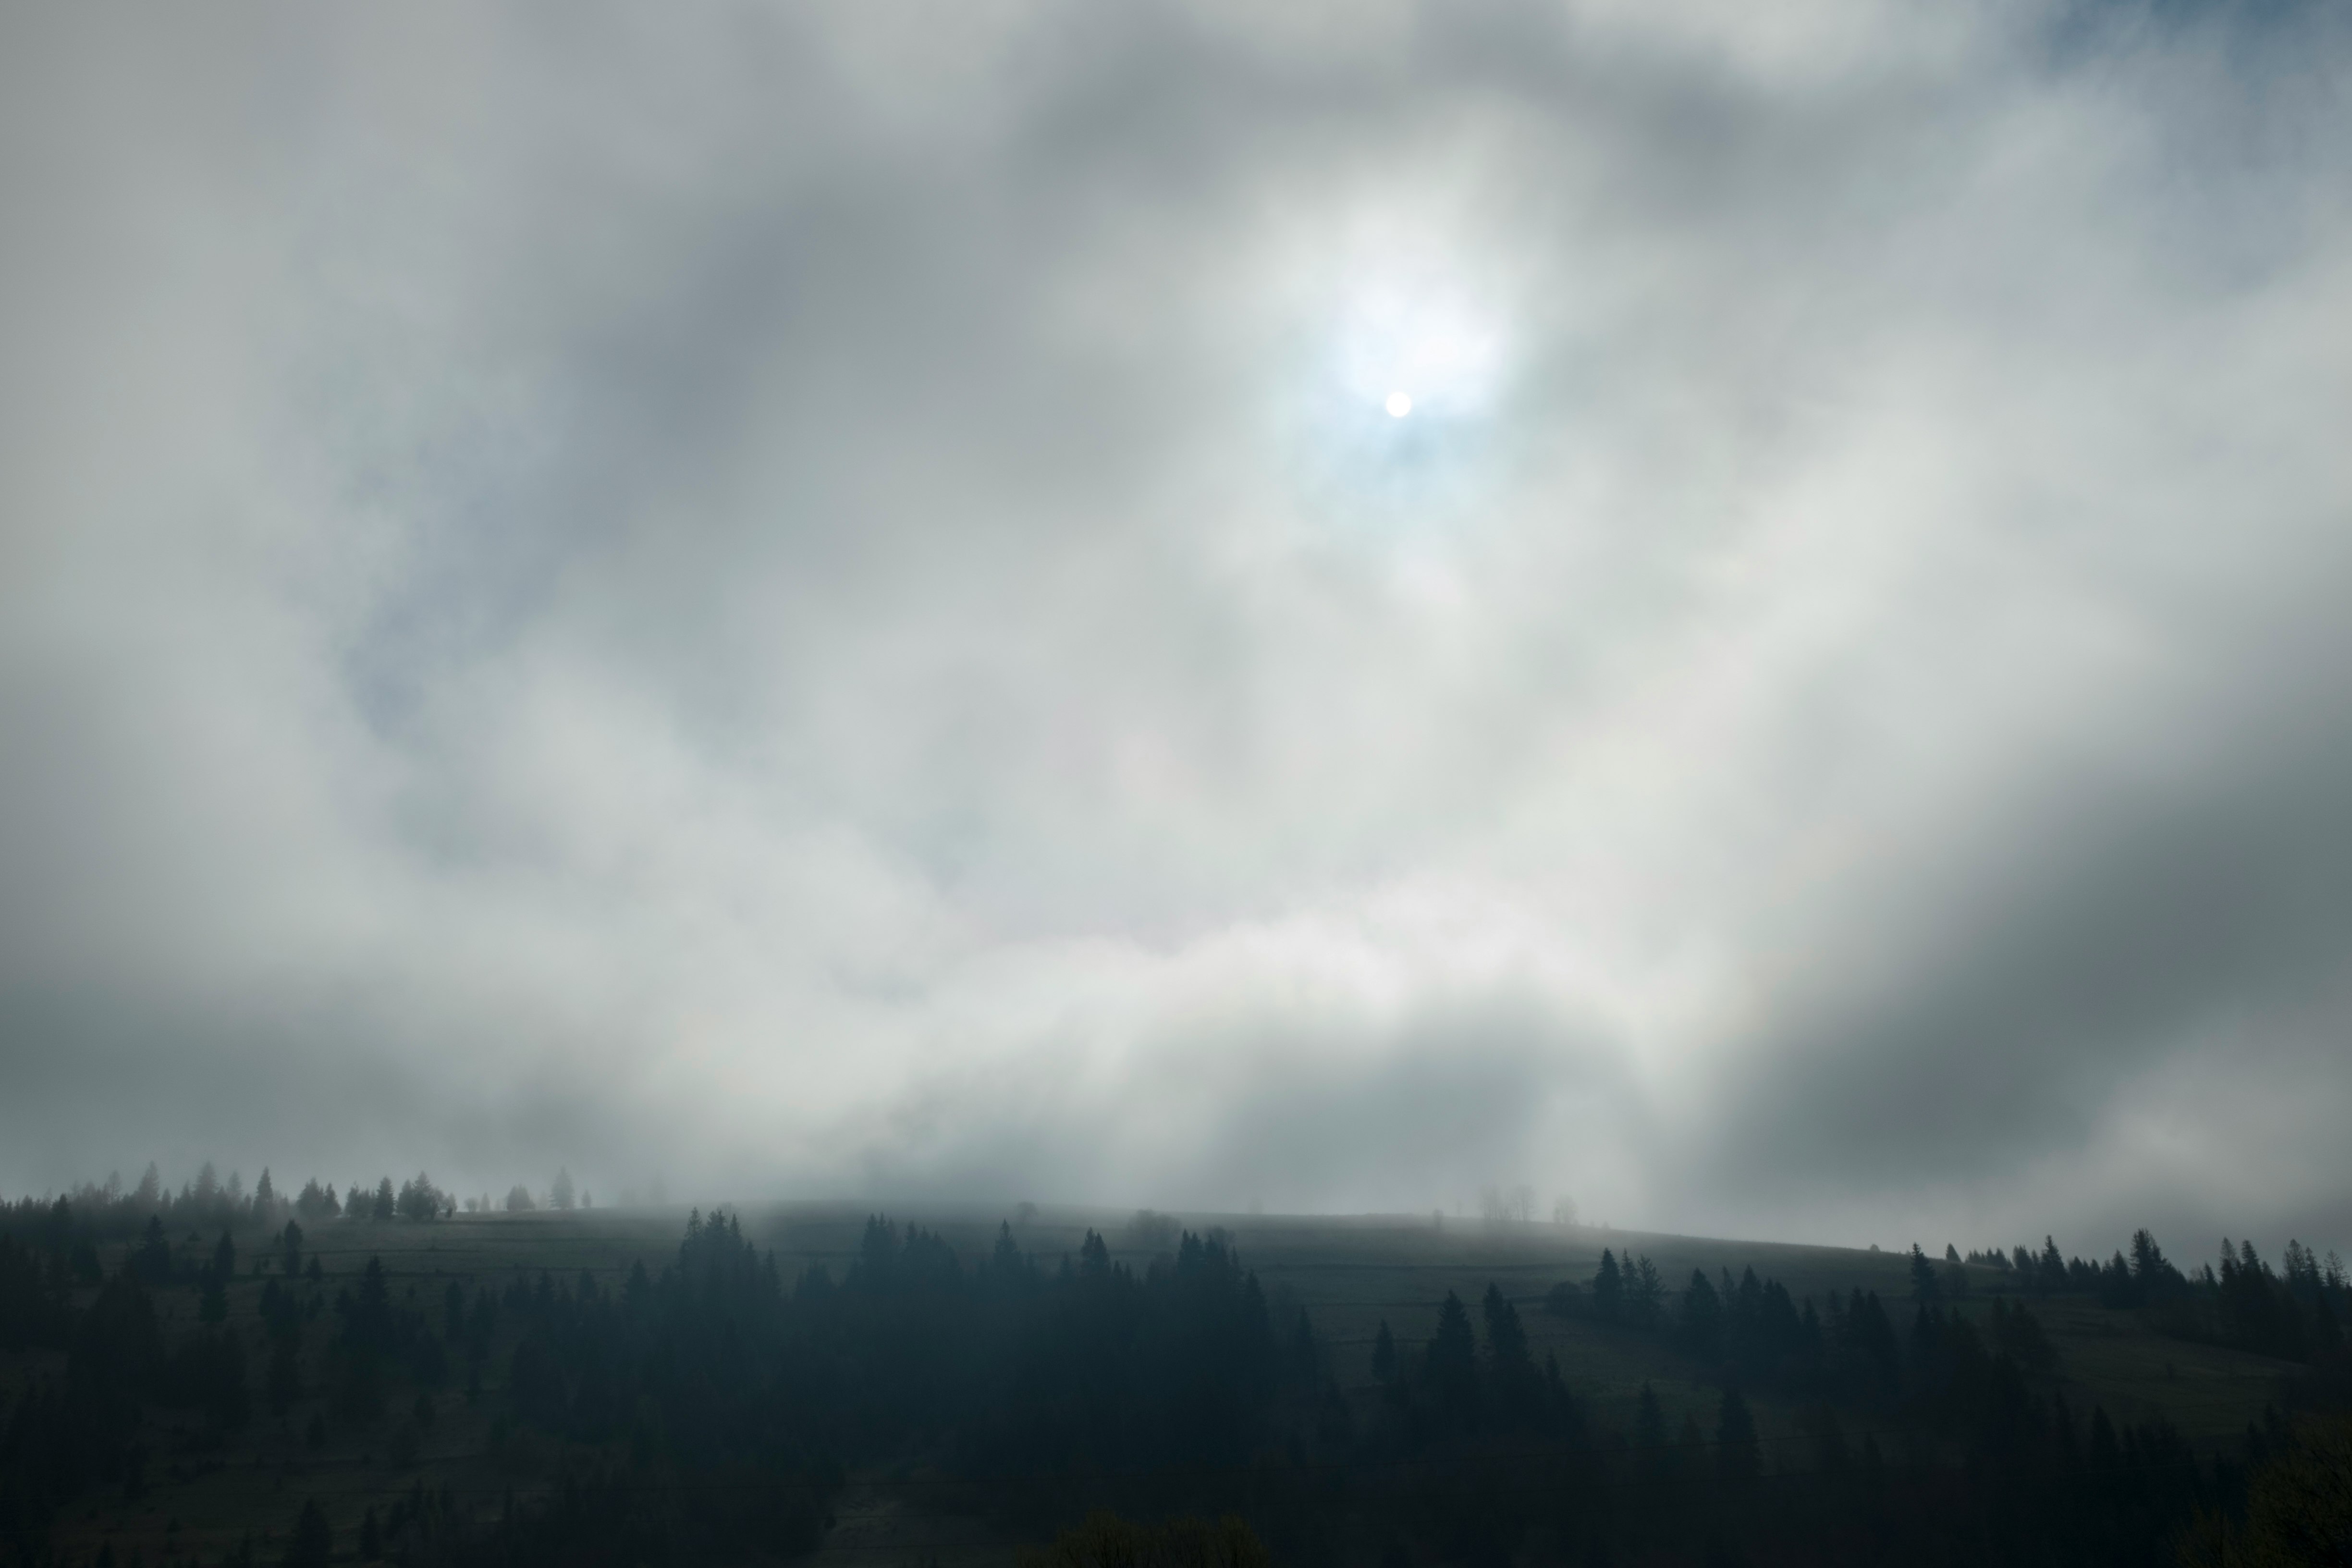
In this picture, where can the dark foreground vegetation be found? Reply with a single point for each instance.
(708, 1408)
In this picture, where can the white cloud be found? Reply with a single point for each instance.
(817, 601)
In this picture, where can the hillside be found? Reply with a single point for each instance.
(450, 1436)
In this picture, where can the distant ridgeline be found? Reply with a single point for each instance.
(112, 1211)
(1754, 1328)
(710, 1410)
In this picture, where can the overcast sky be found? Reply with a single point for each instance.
(826, 600)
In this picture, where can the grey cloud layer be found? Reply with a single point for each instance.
(797, 601)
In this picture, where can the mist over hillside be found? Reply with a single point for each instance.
(195, 1378)
(1732, 612)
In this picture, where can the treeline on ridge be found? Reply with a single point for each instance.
(108, 1210)
(710, 1408)
(2294, 1312)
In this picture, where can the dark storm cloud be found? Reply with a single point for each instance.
(822, 599)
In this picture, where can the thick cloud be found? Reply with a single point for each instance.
(821, 600)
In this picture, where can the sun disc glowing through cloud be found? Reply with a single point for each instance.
(1417, 348)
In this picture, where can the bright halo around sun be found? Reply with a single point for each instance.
(1413, 345)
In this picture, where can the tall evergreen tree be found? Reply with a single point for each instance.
(312, 1544)
(1607, 1287)
(1701, 1325)
(213, 1305)
(1451, 1363)
(1736, 1455)
(1506, 1341)
(1649, 1421)
(152, 1261)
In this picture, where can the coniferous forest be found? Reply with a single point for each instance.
(706, 1405)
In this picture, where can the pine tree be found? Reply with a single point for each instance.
(214, 1308)
(1507, 1342)
(1645, 1289)
(1607, 1287)
(1384, 1354)
(2149, 1265)
(313, 1543)
(1690, 1456)
(1649, 1421)
(1736, 1455)
(1829, 1443)
(1924, 1287)
(285, 1384)
(152, 1261)
(1452, 1362)
(2105, 1451)
(1701, 1327)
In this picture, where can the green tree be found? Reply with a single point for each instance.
(214, 1307)
(420, 1200)
(1736, 1455)
(312, 1544)
(1107, 1541)
(2299, 1508)
(1650, 1448)
(1701, 1328)
(1506, 1341)
(1925, 1286)
(1643, 1290)
(1607, 1287)
(152, 1261)
(1451, 1363)
(284, 1380)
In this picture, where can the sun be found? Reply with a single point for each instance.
(1412, 345)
